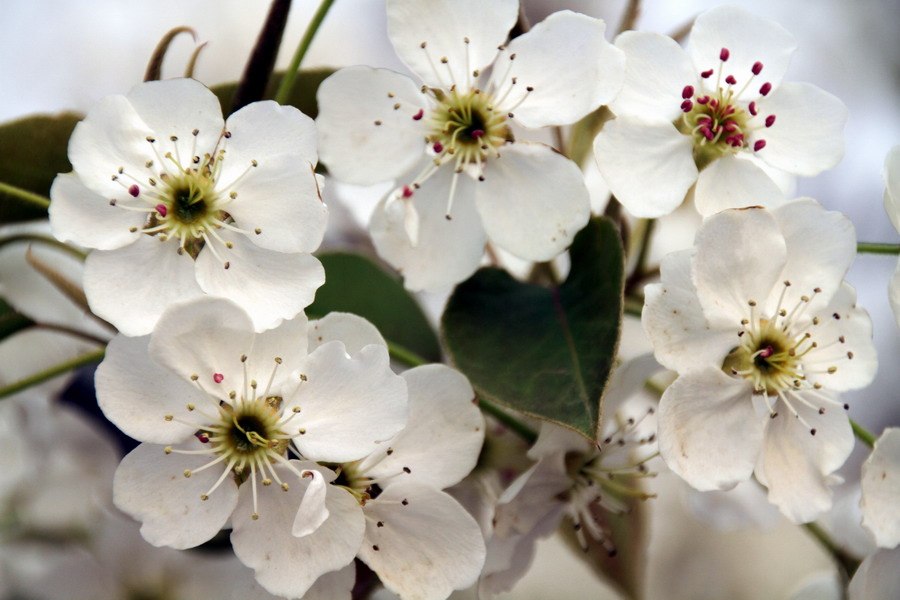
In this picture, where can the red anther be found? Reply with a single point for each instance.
(724, 54)
(730, 126)
(765, 89)
(218, 377)
(756, 68)
(407, 191)
(730, 80)
(770, 120)
(438, 147)
(706, 74)
(752, 108)
(767, 352)
(729, 110)
(162, 210)
(477, 133)
(203, 438)
(703, 100)
(687, 105)
(759, 145)
(134, 190)
(687, 92)
(419, 114)
(736, 140)
(707, 133)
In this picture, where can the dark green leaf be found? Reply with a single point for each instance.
(355, 284)
(545, 351)
(303, 93)
(34, 150)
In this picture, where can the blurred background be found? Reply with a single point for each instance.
(63, 55)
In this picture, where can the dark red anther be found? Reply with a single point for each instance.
(765, 89)
(203, 438)
(706, 74)
(162, 210)
(703, 100)
(687, 105)
(767, 352)
(752, 108)
(477, 133)
(707, 133)
(724, 54)
(730, 80)
(218, 377)
(730, 127)
(407, 191)
(759, 145)
(134, 190)
(438, 147)
(756, 68)
(714, 104)
(419, 114)
(704, 120)
(687, 92)
(770, 120)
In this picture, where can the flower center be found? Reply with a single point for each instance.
(769, 357)
(466, 127)
(718, 123)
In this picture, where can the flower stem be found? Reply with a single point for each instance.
(863, 434)
(42, 239)
(90, 358)
(405, 355)
(287, 82)
(26, 196)
(643, 251)
(847, 563)
(876, 248)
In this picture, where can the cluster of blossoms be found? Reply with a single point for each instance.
(298, 436)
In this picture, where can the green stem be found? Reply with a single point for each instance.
(847, 563)
(640, 265)
(90, 358)
(22, 194)
(287, 82)
(863, 434)
(42, 239)
(876, 248)
(410, 358)
(634, 306)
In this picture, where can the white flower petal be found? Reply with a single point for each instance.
(80, 215)
(270, 286)
(708, 432)
(178, 107)
(414, 565)
(563, 90)
(535, 494)
(205, 337)
(442, 441)
(795, 465)
(881, 487)
(878, 577)
(533, 201)
(808, 135)
(149, 485)
(280, 199)
(267, 130)
(336, 585)
(447, 251)
(313, 510)
(892, 186)
(445, 27)
(656, 71)
(354, 148)
(673, 319)
(354, 331)
(727, 265)
(649, 166)
(349, 406)
(131, 286)
(749, 38)
(287, 565)
(732, 182)
(135, 393)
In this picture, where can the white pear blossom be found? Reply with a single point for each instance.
(892, 206)
(574, 478)
(234, 426)
(878, 577)
(707, 116)
(763, 334)
(880, 485)
(178, 203)
(448, 142)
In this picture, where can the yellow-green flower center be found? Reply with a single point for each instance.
(466, 126)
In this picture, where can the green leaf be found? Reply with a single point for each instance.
(303, 92)
(34, 150)
(355, 284)
(544, 351)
